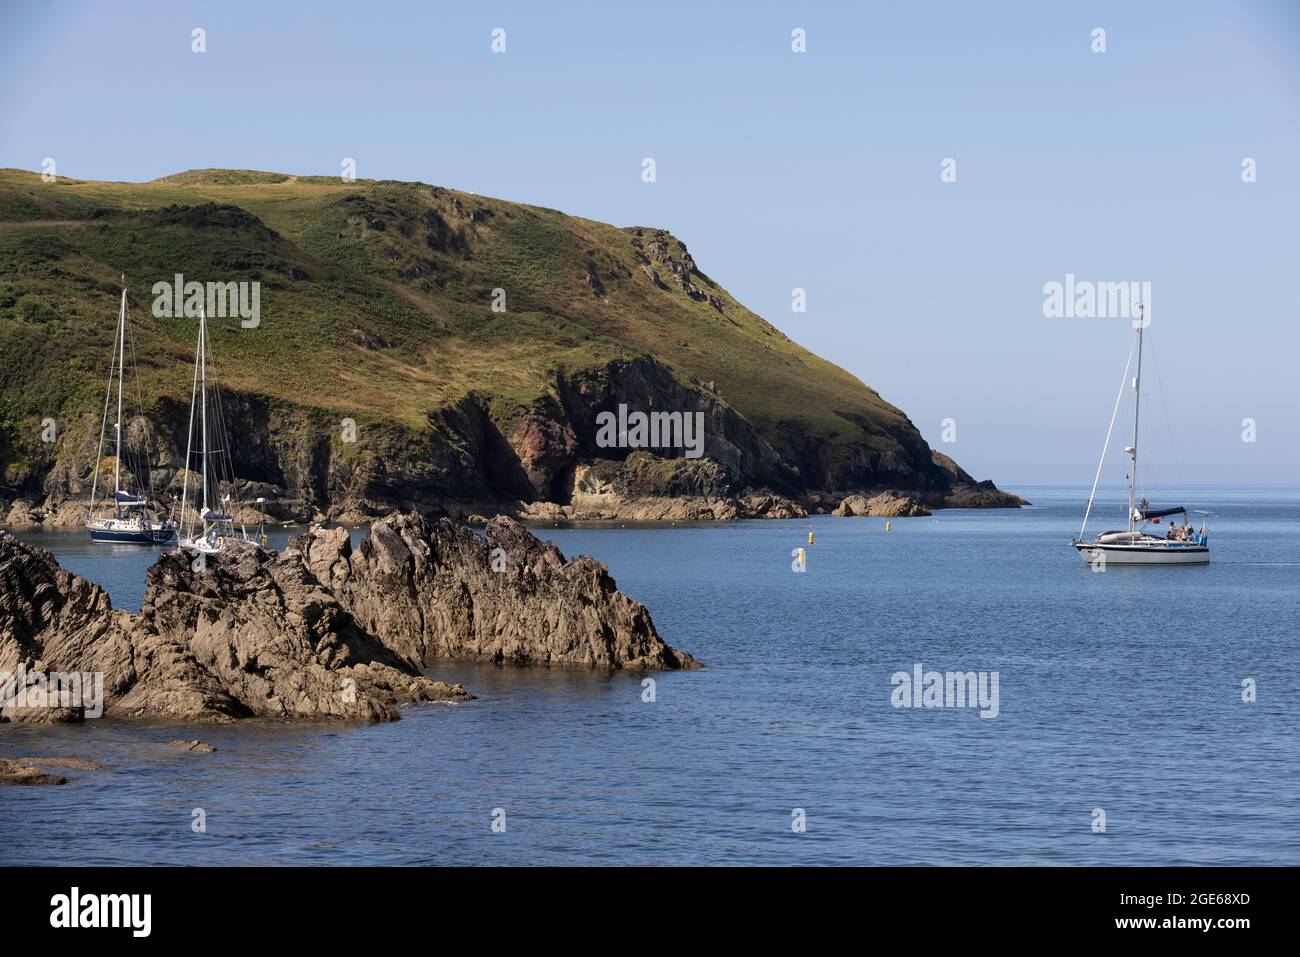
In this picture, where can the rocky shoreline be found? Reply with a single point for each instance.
(613, 507)
(320, 630)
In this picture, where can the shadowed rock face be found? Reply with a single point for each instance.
(49, 615)
(252, 634)
(274, 640)
(431, 590)
(320, 631)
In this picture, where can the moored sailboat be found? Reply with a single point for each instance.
(131, 521)
(206, 532)
(1135, 545)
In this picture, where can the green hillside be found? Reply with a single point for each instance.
(375, 305)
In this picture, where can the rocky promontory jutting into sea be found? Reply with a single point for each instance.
(414, 347)
(320, 630)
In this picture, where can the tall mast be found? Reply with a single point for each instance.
(1137, 402)
(103, 425)
(121, 347)
(189, 435)
(203, 399)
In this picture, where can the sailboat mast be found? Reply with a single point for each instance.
(103, 426)
(121, 351)
(189, 435)
(1137, 403)
(203, 399)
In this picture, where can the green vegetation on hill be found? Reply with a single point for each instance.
(375, 304)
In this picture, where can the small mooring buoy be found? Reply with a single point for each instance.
(886, 526)
(810, 538)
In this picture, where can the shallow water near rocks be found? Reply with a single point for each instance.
(1120, 691)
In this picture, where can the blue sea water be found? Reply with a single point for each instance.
(1120, 691)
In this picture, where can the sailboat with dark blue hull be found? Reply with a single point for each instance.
(130, 524)
(132, 520)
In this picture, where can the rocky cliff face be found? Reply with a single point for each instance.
(317, 631)
(545, 466)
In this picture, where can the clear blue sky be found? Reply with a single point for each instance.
(779, 170)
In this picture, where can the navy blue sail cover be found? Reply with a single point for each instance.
(1148, 513)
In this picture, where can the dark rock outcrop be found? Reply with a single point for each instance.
(318, 631)
(965, 492)
(259, 634)
(250, 634)
(437, 590)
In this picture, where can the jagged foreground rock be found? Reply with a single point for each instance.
(251, 635)
(440, 591)
(318, 630)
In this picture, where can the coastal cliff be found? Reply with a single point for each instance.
(419, 348)
(319, 630)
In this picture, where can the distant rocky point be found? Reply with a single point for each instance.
(320, 630)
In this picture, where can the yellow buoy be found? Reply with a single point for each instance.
(886, 526)
(810, 538)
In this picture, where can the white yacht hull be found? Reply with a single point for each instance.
(1155, 553)
(202, 546)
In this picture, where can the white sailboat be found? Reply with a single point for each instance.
(130, 521)
(206, 531)
(1136, 545)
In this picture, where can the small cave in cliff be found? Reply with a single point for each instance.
(561, 488)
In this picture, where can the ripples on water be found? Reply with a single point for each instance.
(1119, 690)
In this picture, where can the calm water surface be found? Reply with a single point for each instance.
(1119, 691)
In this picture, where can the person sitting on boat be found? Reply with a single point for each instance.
(1173, 531)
